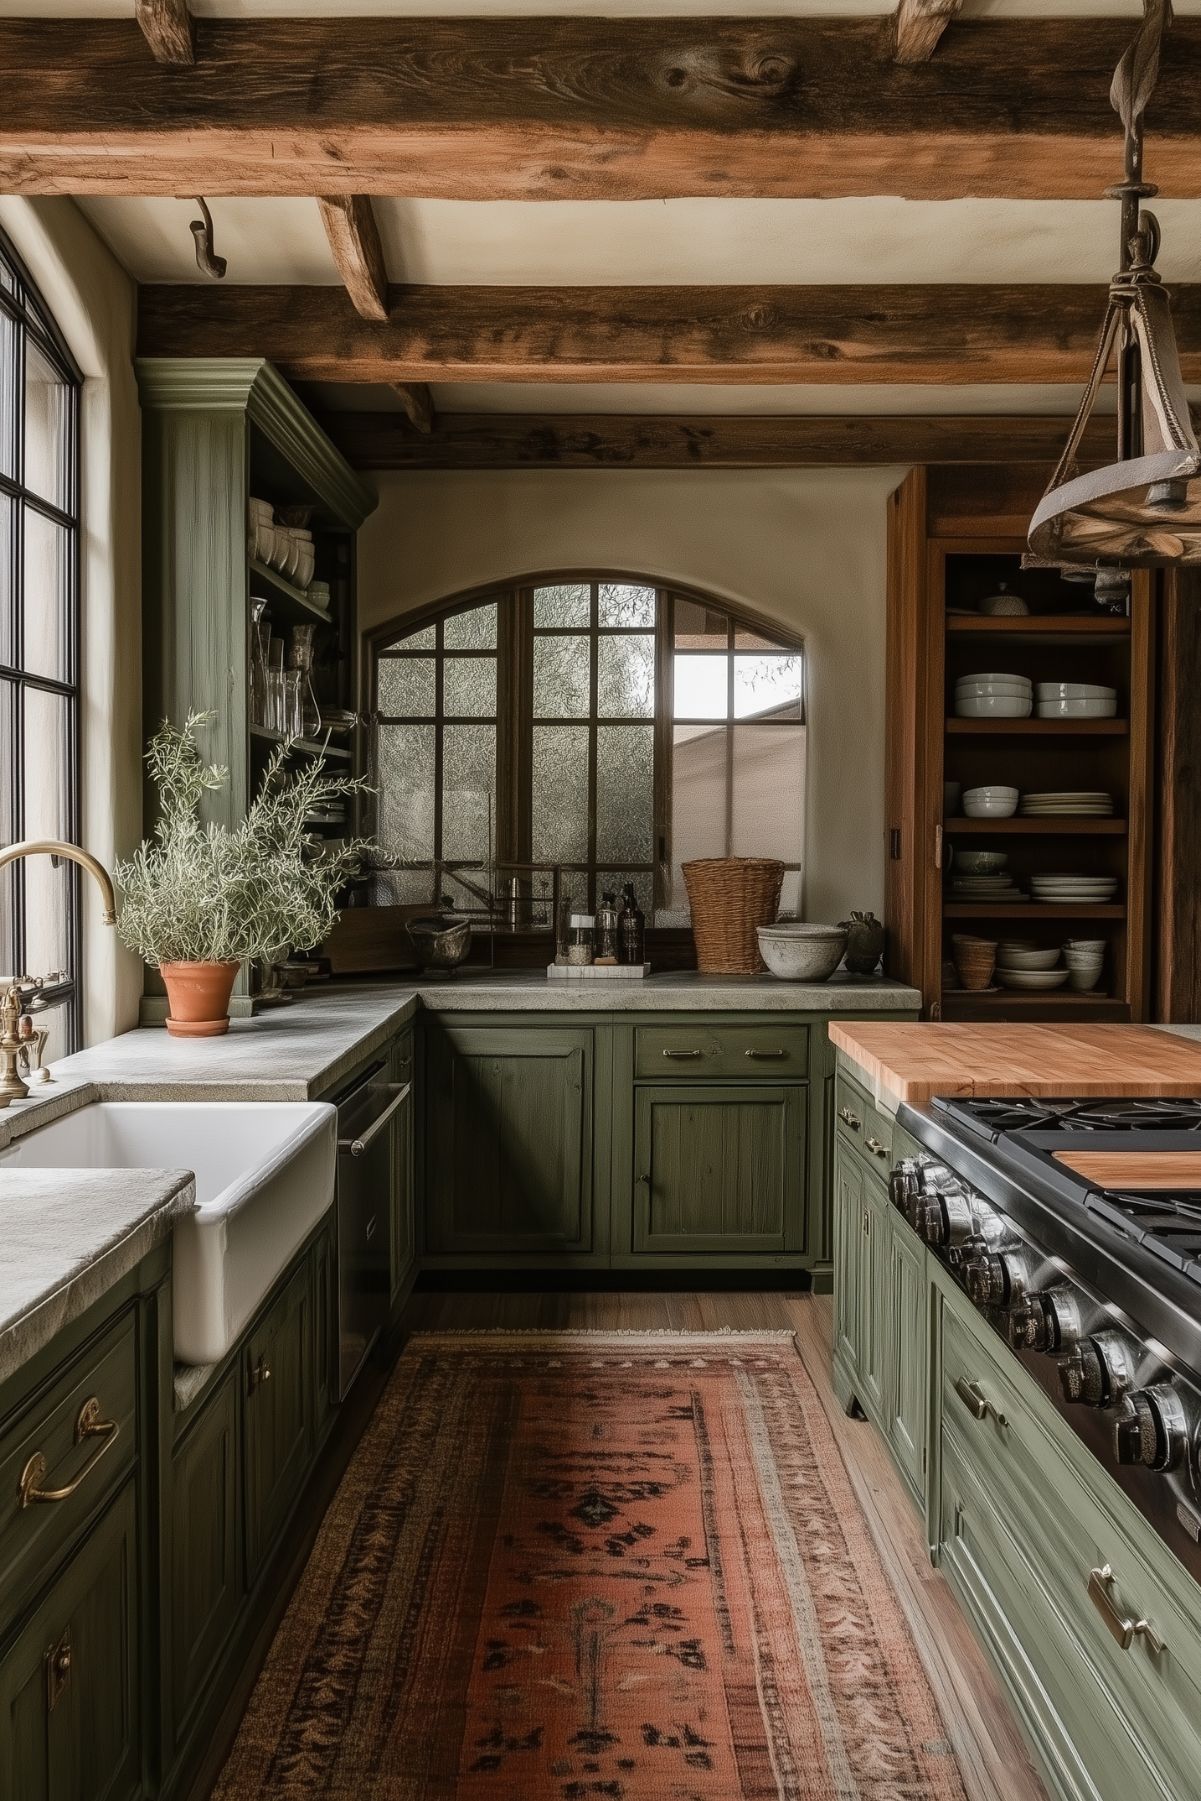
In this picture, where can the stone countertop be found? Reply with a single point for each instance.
(679, 991)
(68, 1237)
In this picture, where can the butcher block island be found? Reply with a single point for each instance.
(918, 1060)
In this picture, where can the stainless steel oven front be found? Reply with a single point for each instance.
(366, 1172)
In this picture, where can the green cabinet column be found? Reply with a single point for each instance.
(907, 1354)
(278, 1407)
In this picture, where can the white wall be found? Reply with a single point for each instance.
(93, 303)
(804, 547)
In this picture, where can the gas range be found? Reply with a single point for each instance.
(1074, 1226)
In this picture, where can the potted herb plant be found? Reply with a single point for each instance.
(200, 899)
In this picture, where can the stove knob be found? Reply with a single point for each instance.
(1043, 1322)
(1151, 1429)
(904, 1185)
(1097, 1372)
(997, 1278)
(959, 1217)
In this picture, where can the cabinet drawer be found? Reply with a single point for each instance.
(1072, 1521)
(672, 1053)
(84, 1431)
(860, 1122)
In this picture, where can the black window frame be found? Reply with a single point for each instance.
(515, 717)
(22, 303)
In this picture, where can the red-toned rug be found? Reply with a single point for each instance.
(594, 1567)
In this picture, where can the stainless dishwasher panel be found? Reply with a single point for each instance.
(365, 1176)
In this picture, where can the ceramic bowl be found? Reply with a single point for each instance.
(1074, 691)
(1033, 979)
(1008, 958)
(802, 953)
(1085, 946)
(1078, 709)
(996, 706)
(988, 678)
(990, 803)
(980, 862)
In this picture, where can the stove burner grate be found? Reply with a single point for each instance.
(1167, 1225)
(995, 1116)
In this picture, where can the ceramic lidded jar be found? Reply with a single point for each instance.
(865, 944)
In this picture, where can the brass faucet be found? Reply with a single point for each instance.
(15, 1048)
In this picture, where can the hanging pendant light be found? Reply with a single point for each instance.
(1144, 509)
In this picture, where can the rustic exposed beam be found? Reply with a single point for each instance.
(167, 27)
(941, 334)
(418, 404)
(621, 108)
(354, 241)
(611, 441)
(918, 25)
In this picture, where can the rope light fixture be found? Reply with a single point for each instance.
(1143, 510)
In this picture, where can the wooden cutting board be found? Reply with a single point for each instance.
(914, 1060)
(1135, 1168)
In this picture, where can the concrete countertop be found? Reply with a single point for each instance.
(681, 991)
(68, 1237)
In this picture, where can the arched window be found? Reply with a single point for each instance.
(609, 727)
(39, 640)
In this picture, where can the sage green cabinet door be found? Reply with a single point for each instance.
(848, 1231)
(509, 1149)
(278, 1369)
(206, 1564)
(719, 1169)
(907, 1358)
(71, 1683)
(872, 1271)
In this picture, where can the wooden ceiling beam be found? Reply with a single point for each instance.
(585, 108)
(918, 25)
(354, 241)
(463, 441)
(417, 403)
(929, 334)
(167, 27)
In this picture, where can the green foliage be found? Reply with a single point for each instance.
(200, 892)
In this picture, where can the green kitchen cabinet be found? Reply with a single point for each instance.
(509, 1155)
(71, 1682)
(206, 1560)
(719, 1169)
(278, 1409)
(402, 1260)
(906, 1352)
(849, 1180)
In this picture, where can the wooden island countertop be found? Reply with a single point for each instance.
(912, 1061)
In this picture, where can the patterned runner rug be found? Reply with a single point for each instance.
(594, 1567)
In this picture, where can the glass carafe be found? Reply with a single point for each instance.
(260, 640)
(300, 658)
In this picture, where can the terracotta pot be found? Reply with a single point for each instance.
(198, 998)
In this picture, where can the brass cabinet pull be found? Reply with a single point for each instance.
(1125, 1631)
(977, 1402)
(681, 1055)
(867, 1223)
(876, 1147)
(849, 1119)
(88, 1425)
(765, 1056)
(260, 1372)
(58, 1670)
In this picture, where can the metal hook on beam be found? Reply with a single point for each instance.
(207, 260)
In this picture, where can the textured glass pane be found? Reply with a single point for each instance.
(405, 687)
(569, 604)
(401, 888)
(45, 598)
(47, 755)
(620, 603)
(47, 429)
(469, 685)
(9, 875)
(425, 639)
(8, 396)
(769, 791)
(560, 794)
(405, 806)
(474, 630)
(468, 791)
(699, 796)
(698, 627)
(701, 687)
(625, 764)
(8, 653)
(625, 677)
(561, 677)
(769, 686)
(644, 887)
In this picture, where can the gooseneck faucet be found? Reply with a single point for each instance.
(12, 1044)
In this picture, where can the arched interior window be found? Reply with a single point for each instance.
(603, 727)
(39, 644)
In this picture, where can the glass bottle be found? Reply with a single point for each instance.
(631, 929)
(260, 639)
(581, 940)
(276, 718)
(291, 704)
(606, 929)
(300, 658)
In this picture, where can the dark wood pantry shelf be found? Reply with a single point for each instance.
(1032, 910)
(1038, 728)
(1045, 825)
(1058, 1004)
(287, 601)
(308, 747)
(1038, 625)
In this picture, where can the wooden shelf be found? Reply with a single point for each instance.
(1013, 1003)
(1032, 910)
(1043, 826)
(308, 747)
(1038, 625)
(1038, 728)
(282, 591)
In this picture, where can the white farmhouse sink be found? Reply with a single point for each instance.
(264, 1175)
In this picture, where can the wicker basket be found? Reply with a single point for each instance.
(728, 898)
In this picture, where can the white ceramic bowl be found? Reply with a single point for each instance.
(1074, 691)
(990, 803)
(1097, 946)
(797, 956)
(1033, 978)
(994, 706)
(987, 677)
(1077, 709)
(1026, 960)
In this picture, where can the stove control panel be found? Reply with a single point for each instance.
(1098, 1371)
(1151, 1428)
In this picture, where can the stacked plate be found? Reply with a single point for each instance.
(1076, 700)
(1079, 803)
(999, 887)
(1074, 890)
(994, 696)
(1022, 965)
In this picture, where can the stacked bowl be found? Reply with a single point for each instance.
(801, 953)
(994, 696)
(1028, 967)
(1084, 958)
(990, 803)
(1076, 700)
